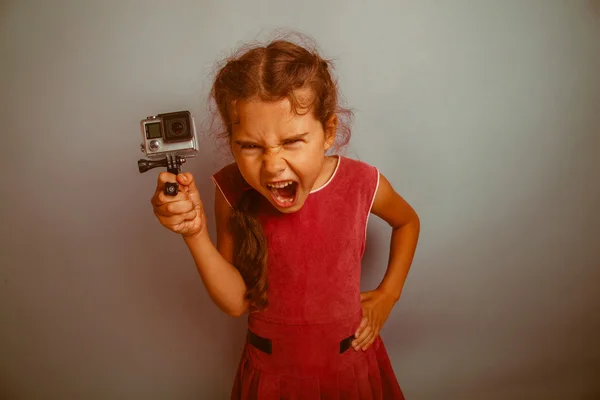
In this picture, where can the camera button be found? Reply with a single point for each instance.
(154, 145)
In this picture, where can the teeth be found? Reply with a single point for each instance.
(283, 200)
(279, 185)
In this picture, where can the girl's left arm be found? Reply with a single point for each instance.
(393, 209)
(377, 304)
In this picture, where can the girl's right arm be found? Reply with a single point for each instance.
(222, 280)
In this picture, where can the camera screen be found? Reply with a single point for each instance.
(153, 131)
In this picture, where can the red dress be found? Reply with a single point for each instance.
(298, 347)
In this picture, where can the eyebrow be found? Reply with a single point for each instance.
(252, 142)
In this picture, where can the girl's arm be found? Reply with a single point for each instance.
(377, 304)
(393, 209)
(222, 280)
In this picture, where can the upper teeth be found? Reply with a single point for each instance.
(280, 185)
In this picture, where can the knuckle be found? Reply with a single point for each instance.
(162, 198)
(171, 208)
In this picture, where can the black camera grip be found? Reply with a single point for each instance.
(171, 188)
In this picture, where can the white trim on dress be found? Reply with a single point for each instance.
(330, 178)
(372, 202)
(221, 190)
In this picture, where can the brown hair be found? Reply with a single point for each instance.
(271, 72)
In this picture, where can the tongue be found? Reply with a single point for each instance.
(287, 192)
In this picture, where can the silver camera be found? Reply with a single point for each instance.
(167, 140)
(169, 133)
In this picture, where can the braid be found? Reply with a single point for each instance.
(250, 249)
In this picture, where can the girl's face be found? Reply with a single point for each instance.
(279, 153)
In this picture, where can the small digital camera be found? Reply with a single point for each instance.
(167, 140)
(169, 133)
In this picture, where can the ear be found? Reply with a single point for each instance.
(330, 130)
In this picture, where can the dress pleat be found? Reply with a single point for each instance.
(246, 379)
(329, 387)
(289, 387)
(369, 378)
(268, 387)
(361, 371)
(348, 387)
(374, 376)
(310, 388)
(390, 387)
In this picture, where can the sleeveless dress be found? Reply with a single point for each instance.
(299, 347)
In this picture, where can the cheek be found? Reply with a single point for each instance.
(307, 167)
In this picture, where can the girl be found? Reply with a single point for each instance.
(291, 226)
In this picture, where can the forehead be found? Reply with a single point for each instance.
(261, 120)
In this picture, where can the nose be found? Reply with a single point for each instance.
(273, 163)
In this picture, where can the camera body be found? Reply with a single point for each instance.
(169, 134)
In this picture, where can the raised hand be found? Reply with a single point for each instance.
(183, 213)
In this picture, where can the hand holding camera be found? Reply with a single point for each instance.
(182, 213)
(167, 139)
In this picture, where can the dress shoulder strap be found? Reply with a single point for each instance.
(230, 182)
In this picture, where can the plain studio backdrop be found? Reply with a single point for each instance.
(484, 115)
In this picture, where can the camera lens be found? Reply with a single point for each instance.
(176, 127)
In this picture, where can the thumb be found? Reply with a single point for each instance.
(187, 179)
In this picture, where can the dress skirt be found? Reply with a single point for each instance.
(312, 362)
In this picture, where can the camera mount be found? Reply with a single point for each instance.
(173, 164)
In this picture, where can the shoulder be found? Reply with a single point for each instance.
(357, 166)
(227, 171)
(230, 183)
(360, 173)
(357, 181)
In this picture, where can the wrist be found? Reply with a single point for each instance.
(391, 293)
(195, 238)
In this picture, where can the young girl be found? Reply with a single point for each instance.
(291, 229)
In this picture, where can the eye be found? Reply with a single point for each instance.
(249, 146)
(293, 141)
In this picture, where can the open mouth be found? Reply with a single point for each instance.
(284, 193)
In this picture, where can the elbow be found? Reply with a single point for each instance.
(238, 311)
(411, 226)
(417, 222)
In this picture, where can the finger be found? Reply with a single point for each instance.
(371, 340)
(161, 198)
(361, 338)
(175, 220)
(163, 178)
(363, 324)
(174, 208)
(187, 179)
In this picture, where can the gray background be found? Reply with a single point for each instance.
(485, 115)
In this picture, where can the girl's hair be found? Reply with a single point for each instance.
(270, 73)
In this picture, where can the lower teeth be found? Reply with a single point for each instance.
(284, 200)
